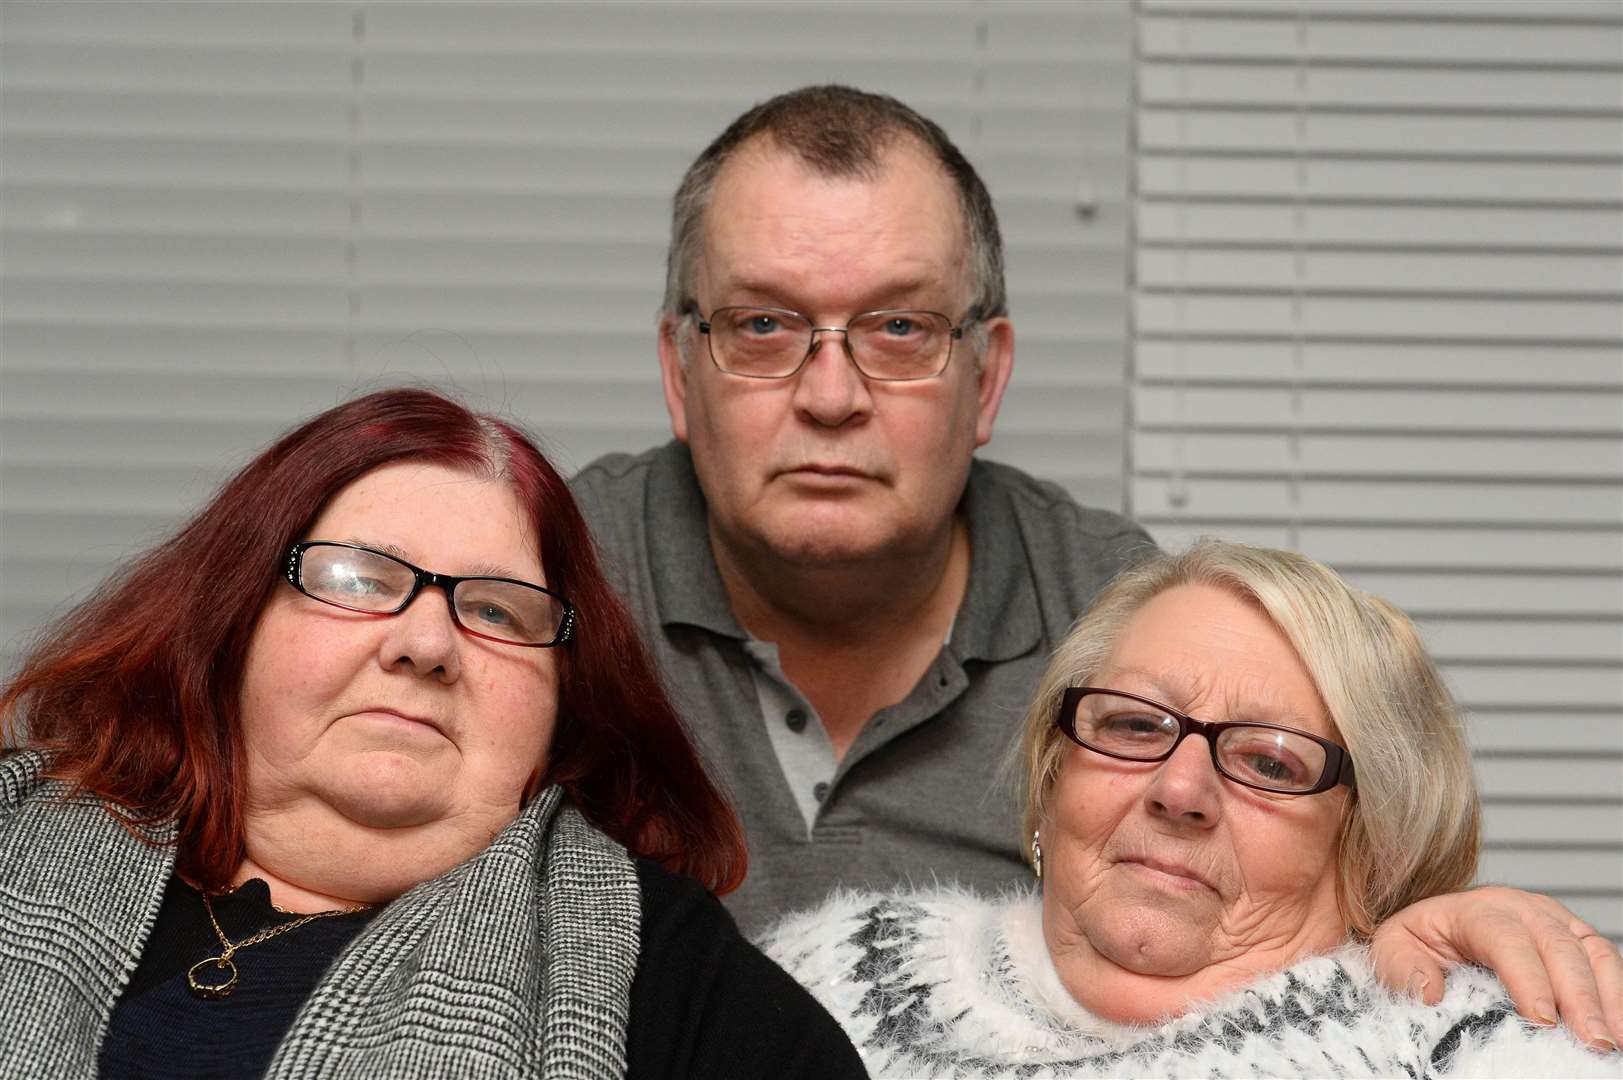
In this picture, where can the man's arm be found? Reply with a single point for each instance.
(1552, 963)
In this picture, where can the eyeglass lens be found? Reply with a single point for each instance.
(1266, 757)
(368, 581)
(769, 344)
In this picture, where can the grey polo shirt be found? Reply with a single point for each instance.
(919, 796)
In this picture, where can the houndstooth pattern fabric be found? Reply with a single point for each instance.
(944, 984)
(518, 963)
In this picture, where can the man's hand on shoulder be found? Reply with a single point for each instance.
(1552, 963)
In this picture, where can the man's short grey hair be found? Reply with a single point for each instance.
(837, 131)
(1413, 824)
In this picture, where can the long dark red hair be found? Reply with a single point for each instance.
(134, 694)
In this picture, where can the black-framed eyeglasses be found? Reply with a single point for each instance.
(773, 343)
(1268, 757)
(357, 578)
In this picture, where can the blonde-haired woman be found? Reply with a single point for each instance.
(1235, 767)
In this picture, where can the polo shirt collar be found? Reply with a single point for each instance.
(999, 618)
(687, 585)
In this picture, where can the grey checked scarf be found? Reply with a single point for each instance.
(518, 963)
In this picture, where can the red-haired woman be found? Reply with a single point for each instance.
(366, 772)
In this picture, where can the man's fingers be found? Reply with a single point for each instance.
(1426, 981)
(1574, 981)
(1403, 963)
(1554, 966)
(1514, 956)
(1607, 965)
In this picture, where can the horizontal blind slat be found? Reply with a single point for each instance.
(1164, 130)
(1390, 227)
(1528, 274)
(1386, 454)
(1537, 868)
(1383, 89)
(1401, 11)
(1323, 501)
(1401, 178)
(218, 24)
(1598, 641)
(1568, 595)
(1532, 368)
(233, 69)
(1382, 318)
(1354, 546)
(1512, 734)
(1503, 412)
(1595, 778)
(1192, 37)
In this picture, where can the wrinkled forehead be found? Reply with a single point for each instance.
(1216, 655)
(774, 220)
(1218, 697)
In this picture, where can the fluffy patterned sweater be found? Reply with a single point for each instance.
(945, 984)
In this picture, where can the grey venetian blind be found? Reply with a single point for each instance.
(1379, 261)
(221, 217)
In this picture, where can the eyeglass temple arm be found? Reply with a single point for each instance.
(1346, 774)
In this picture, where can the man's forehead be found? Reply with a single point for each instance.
(762, 162)
(771, 216)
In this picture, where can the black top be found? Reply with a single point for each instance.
(707, 1003)
(704, 1002)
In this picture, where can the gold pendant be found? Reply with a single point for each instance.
(212, 991)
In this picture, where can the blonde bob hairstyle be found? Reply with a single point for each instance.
(1411, 828)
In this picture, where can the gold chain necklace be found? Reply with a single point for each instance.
(223, 962)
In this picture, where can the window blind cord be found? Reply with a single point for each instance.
(1293, 483)
(355, 184)
(1177, 478)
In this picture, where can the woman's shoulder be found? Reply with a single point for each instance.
(38, 806)
(1329, 1013)
(22, 773)
(947, 983)
(29, 792)
(922, 980)
(847, 920)
(1474, 1031)
(706, 1002)
(859, 941)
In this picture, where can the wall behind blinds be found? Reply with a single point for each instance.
(221, 217)
(1379, 258)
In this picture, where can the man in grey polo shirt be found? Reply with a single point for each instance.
(850, 610)
(915, 792)
(850, 613)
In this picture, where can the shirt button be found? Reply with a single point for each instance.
(796, 719)
(820, 792)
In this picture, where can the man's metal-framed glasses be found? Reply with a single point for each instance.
(774, 343)
(357, 578)
(1268, 757)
